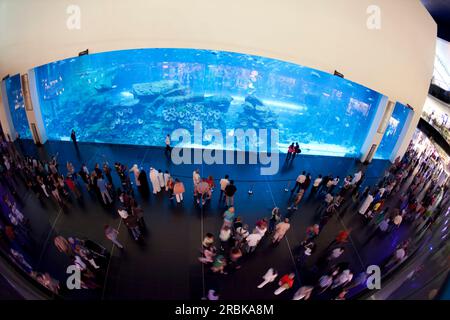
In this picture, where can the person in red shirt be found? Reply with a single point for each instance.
(341, 238)
(286, 282)
(211, 183)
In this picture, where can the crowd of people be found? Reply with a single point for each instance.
(333, 276)
(222, 252)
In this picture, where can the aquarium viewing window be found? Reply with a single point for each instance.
(17, 106)
(138, 96)
(395, 126)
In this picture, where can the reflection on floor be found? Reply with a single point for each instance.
(165, 265)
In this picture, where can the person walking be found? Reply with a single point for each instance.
(280, 230)
(286, 282)
(196, 177)
(228, 217)
(299, 182)
(268, 277)
(101, 184)
(132, 223)
(290, 152)
(303, 293)
(111, 234)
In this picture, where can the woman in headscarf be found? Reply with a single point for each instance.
(154, 180)
(145, 189)
(136, 172)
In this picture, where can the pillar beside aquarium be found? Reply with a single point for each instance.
(5, 114)
(376, 130)
(33, 108)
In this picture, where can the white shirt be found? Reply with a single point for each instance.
(253, 239)
(225, 234)
(270, 275)
(317, 182)
(166, 178)
(223, 184)
(195, 178)
(301, 178)
(336, 253)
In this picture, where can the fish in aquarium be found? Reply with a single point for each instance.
(141, 95)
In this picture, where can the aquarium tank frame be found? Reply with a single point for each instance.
(137, 96)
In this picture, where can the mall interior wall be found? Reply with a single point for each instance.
(395, 59)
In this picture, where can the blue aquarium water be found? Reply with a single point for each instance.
(139, 96)
(17, 106)
(393, 131)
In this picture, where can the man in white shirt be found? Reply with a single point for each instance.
(357, 177)
(316, 185)
(252, 241)
(196, 177)
(223, 184)
(298, 183)
(268, 277)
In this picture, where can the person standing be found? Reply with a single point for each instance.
(168, 150)
(274, 219)
(166, 177)
(280, 230)
(297, 151)
(111, 234)
(101, 184)
(230, 190)
(196, 177)
(224, 182)
(73, 136)
(162, 184)
(178, 190)
(252, 241)
(290, 152)
(136, 172)
(154, 180)
(107, 172)
(366, 204)
(145, 189)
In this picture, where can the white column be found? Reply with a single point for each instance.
(405, 137)
(33, 107)
(5, 114)
(376, 130)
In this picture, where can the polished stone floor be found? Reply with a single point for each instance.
(165, 265)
